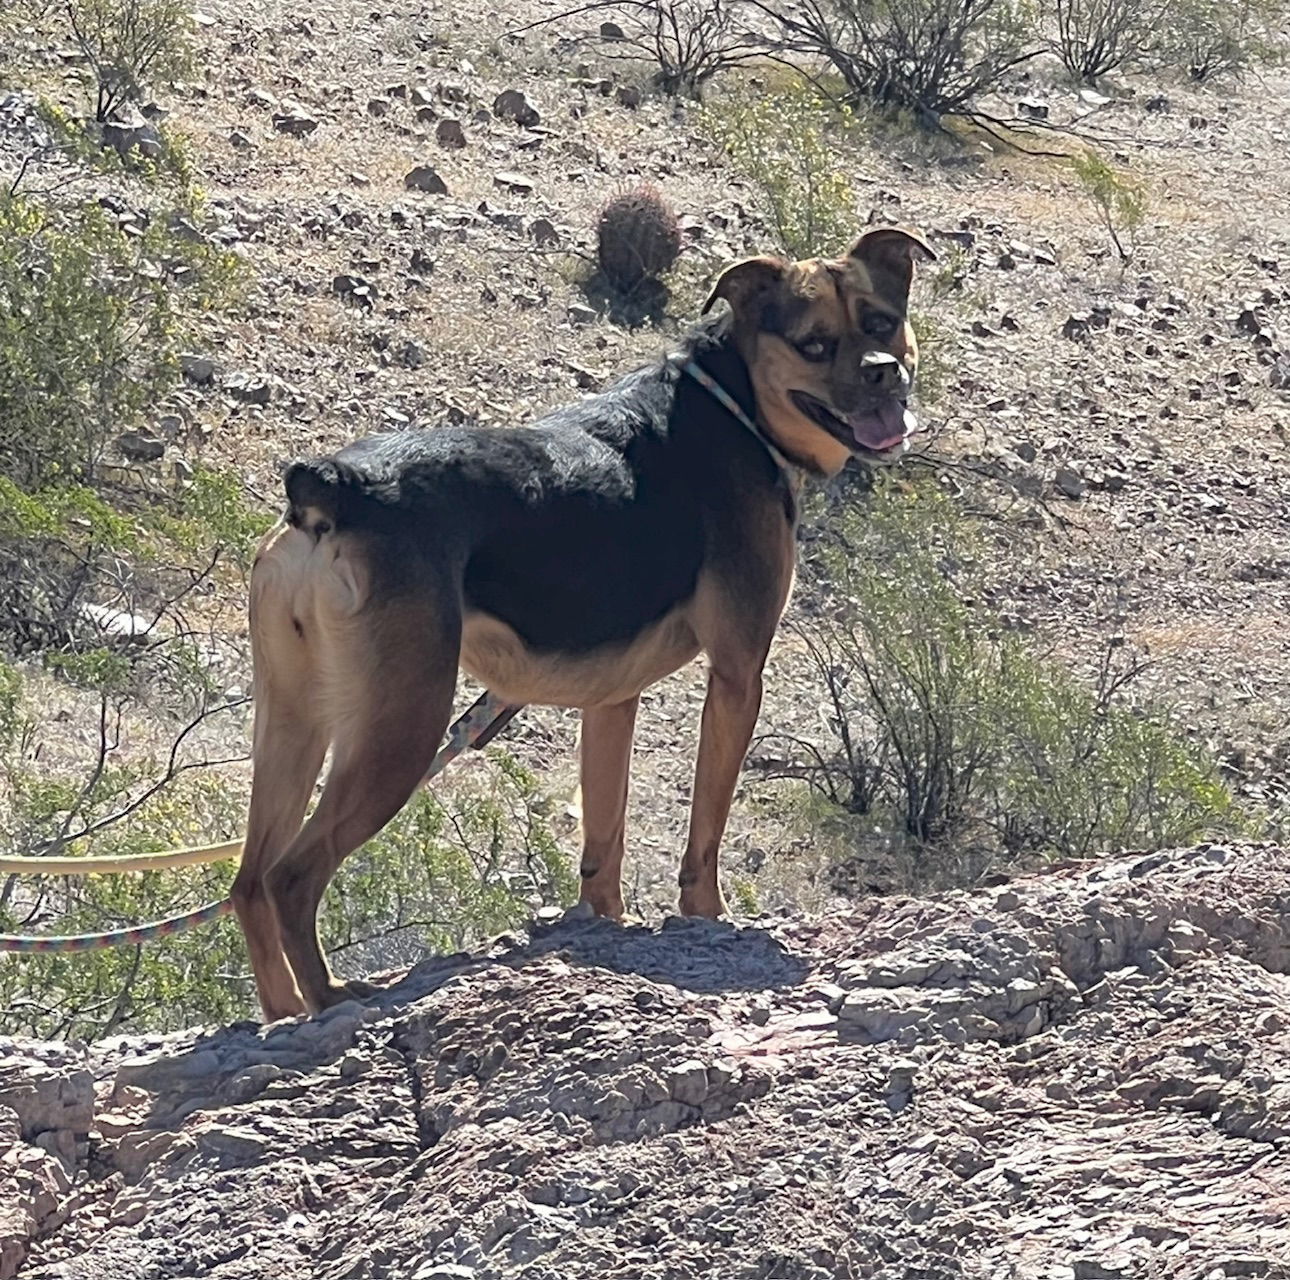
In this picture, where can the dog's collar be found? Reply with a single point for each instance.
(790, 470)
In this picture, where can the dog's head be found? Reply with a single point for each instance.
(829, 348)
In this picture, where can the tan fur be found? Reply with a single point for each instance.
(339, 666)
(825, 297)
(499, 660)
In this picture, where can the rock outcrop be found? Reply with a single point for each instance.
(1077, 1075)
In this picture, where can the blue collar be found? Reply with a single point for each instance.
(791, 471)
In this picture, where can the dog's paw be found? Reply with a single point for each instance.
(344, 992)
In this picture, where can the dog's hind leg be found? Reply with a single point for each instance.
(606, 752)
(289, 744)
(395, 664)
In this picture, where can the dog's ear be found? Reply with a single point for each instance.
(889, 253)
(742, 284)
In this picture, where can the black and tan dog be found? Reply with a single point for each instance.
(571, 563)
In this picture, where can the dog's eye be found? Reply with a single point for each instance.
(878, 324)
(816, 348)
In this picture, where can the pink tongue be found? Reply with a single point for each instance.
(881, 430)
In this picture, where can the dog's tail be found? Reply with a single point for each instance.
(322, 495)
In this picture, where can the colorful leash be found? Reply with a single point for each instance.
(475, 728)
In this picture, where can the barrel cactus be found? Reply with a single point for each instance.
(638, 238)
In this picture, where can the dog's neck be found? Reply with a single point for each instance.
(721, 372)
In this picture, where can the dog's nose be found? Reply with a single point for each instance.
(882, 372)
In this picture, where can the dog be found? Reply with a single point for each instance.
(572, 563)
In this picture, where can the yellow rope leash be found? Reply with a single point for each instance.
(90, 866)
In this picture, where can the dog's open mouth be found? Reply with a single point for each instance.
(879, 429)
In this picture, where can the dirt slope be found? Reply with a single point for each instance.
(1066, 1077)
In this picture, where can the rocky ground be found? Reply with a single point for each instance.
(414, 190)
(1071, 1077)
(1077, 1076)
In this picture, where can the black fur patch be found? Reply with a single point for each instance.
(578, 531)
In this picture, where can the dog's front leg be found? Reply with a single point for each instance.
(729, 717)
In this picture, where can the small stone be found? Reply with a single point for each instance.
(377, 107)
(425, 178)
(295, 122)
(1078, 326)
(519, 183)
(139, 446)
(612, 31)
(1070, 483)
(511, 104)
(250, 388)
(543, 232)
(689, 1083)
(240, 140)
(1279, 374)
(420, 96)
(1247, 321)
(1110, 1268)
(200, 370)
(449, 133)
(580, 313)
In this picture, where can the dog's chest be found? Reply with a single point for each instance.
(495, 655)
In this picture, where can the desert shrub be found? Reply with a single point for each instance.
(638, 238)
(687, 41)
(452, 868)
(447, 871)
(91, 322)
(953, 738)
(129, 46)
(1119, 198)
(782, 143)
(930, 57)
(1092, 37)
(1208, 38)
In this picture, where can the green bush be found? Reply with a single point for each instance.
(453, 867)
(1120, 200)
(687, 41)
(782, 144)
(1092, 37)
(954, 738)
(1208, 38)
(928, 57)
(130, 46)
(91, 323)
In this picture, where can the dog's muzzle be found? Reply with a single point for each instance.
(883, 374)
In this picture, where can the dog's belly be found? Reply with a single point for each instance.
(499, 659)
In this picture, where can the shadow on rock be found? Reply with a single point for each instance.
(694, 955)
(645, 304)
